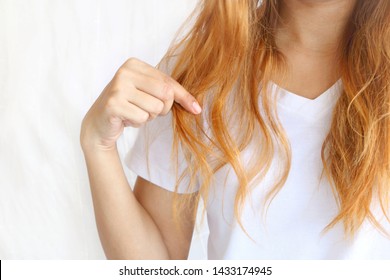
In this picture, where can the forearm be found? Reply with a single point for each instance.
(126, 230)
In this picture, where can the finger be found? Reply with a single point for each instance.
(146, 102)
(133, 115)
(134, 87)
(157, 87)
(134, 64)
(166, 89)
(161, 86)
(185, 99)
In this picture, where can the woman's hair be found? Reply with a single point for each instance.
(226, 61)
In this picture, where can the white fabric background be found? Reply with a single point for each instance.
(55, 59)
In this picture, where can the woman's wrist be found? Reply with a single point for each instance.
(93, 144)
(94, 147)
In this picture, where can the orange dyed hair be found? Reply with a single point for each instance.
(226, 61)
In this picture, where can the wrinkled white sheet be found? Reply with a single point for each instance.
(55, 59)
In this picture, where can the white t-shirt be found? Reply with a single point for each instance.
(297, 216)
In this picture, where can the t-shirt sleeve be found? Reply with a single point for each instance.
(151, 156)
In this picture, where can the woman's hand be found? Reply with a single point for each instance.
(137, 93)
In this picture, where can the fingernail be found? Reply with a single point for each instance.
(196, 107)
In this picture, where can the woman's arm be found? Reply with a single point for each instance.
(137, 225)
(132, 226)
(158, 203)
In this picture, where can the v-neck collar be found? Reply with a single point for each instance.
(309, 108)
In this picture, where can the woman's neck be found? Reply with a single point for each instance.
(309, 36)
(314, 25)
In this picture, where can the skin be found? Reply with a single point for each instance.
(139, 224)
(309, 37)
(133, 224)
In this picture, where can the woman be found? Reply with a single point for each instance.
(276, 114)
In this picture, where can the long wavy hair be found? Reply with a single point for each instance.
(226, 59)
